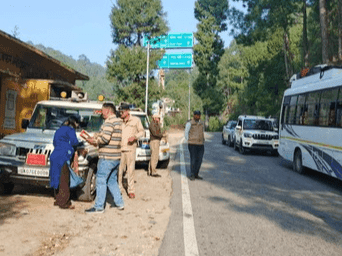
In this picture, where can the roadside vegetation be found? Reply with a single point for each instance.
(273, 40)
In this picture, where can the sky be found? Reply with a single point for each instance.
(76, 27)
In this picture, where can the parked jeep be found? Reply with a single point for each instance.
(18, 150)
(256, 133)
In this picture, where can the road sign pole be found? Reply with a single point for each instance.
(189, 93)
(148, 62)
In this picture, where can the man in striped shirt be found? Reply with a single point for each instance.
(108, 141)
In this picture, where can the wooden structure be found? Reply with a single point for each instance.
(28, 75)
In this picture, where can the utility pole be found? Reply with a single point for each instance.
(148, 62)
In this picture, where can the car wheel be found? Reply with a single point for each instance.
(230, 143)
(223, 141)
(163, 164)
(235, 146)
(242, 150)
(275, 152)
(6, 188)
(297, 162)
(88, 192)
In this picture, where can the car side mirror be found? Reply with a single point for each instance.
(25, 123)
(238, 128)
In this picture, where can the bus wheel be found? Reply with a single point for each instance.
(297, 162)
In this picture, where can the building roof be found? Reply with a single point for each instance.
(28, 54)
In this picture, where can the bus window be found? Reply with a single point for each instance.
(327, 108)
(285, 114)
(312, 102)
(339, 110)
(300, 110)
(292, 110)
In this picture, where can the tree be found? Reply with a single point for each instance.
(207, 54)
(217, 8)
(132, 19)
(324, 30)
(128, 64)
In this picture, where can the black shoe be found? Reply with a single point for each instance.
(192, 177)
(198, 177)
(155, 175)
(94, 210)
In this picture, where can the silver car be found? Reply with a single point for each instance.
(228, 133)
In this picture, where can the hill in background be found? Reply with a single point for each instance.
(97, 83)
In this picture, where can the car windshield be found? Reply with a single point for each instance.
(255, 124)
(232, 125)
(143, 120)
(52, 117)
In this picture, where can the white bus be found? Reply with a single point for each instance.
(311, 122)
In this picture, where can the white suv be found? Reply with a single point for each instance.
(256, 132)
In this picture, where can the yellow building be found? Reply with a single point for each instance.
(28, 75)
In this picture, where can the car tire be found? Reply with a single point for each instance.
(242, 150)
(235, 146)
(275, 152)
(230, 143)
(298, 162)
(6, 188)
(163, 164)
(88, 192)
(223, 141)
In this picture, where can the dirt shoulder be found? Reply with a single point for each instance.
(30, 225)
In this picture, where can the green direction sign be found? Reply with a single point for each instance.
(176, 40)
(176, 60)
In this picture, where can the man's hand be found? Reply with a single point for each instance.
(91, 141)
(131, 140)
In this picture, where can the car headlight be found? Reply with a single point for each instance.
(247, 135)
(7, 149)
(276, 137)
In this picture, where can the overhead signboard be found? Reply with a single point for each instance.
(176, 60)
(170, 41)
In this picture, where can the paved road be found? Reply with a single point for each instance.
(251, 204)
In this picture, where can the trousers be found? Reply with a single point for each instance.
(63, 195)
(196, 156)
(127, 161)
(106, 176)
(152, 166)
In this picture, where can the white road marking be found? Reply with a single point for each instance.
(190, 242)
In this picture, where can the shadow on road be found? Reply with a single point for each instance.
(297, 203)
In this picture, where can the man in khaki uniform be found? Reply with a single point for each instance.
(155, 137)
(132, 130)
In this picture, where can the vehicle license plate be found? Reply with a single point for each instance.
(42, 172)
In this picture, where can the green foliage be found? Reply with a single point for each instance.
(177, 89)
(215, 125)
(128, 64)
(135, 93)
(132, 19)
(97, 84)
(217, 8)
(207, 54)
(179, 120)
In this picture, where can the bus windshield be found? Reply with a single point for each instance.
(255, 124)
(52, 117)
